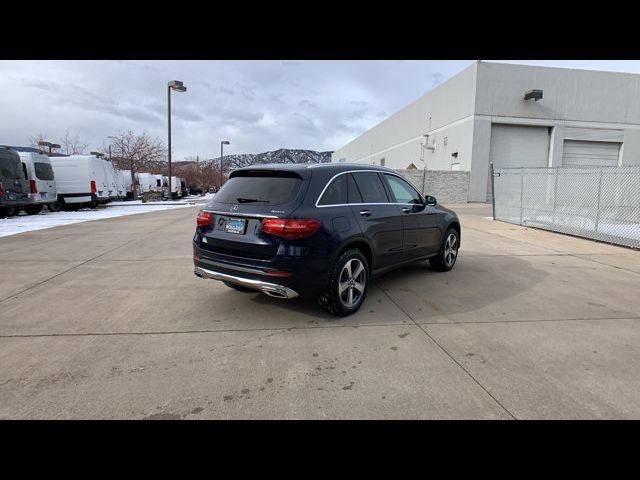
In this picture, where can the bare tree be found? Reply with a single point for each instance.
(138, 152)
(73, 145)
(69, 145)
(34, 140)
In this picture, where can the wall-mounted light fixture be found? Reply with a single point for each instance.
(533, 94)
(454, 154)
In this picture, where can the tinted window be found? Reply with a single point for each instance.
(43, 171)
(336, 192)
(341, 190)
(370, 187)
(259, 189)
(353, 193)
(402, 191)
(24, 170)
(8, 168)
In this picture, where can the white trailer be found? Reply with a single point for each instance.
(42, 186)
(80, 180)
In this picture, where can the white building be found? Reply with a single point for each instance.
(481, 115)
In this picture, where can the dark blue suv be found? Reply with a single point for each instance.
(319, 230)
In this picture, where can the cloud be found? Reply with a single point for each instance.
(256, 105)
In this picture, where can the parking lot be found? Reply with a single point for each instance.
(105, 319)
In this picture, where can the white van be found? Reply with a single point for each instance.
(146, 182)
(80, 180)
(183, 186)
(110, 178)
(120, 184)
(128, 183)
(42, 187)
(176, 187)
(162, 182)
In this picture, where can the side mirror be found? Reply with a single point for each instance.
(431, 200)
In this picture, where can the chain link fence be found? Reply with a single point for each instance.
(601, 203)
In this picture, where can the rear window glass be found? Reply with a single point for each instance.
(8, 168)
(259, 189)
(371, 187)
(43, 171)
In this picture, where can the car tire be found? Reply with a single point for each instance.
(54, 206)
(4, 212)
(448, 254)
(239, 288)
(348, 284)
(13, 211)
(33, 209)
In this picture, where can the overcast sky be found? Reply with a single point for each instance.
(256, 105)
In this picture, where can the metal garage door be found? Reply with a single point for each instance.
(519, 146)
(577, 152)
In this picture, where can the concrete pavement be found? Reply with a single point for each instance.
(105, 319)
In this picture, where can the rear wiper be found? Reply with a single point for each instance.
(249, 200)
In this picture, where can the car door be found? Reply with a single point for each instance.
(379, 218)
(420, 221)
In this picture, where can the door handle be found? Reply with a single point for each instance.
(365, 213)
(406, 209)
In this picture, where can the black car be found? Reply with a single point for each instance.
(14, 186)
(319, 230)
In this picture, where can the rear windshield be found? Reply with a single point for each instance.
(259, 189)
(43, 171)
(8, 168)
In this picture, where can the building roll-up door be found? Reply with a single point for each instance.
(519, 146)
(577, 152)
(514, 146)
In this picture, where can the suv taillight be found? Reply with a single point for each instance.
(1, 188)
(32, 186)
(93, 186)
(204, 219)
(290, 228)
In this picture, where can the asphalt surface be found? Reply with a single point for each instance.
(105, 319)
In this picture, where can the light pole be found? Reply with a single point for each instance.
(222, 144)
(179, 87)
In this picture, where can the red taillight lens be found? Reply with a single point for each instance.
(1, 188)
(290, 228)
(204, 219)
(93, 186)
(32, 186)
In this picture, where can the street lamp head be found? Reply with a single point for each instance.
(225, 142)
(177, 86)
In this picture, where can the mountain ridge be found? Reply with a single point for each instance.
(281, 155)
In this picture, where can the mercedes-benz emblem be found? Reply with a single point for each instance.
(234, 208)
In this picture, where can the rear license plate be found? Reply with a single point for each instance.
(235, 225)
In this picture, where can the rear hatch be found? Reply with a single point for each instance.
(238, 209)
(14, 183)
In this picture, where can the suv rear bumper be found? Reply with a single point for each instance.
(271, 289)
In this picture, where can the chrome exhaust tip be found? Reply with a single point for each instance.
(271, 289)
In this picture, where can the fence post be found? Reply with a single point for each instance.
(555, 198)
(521, 191)
(493, 190)
(598, 207)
